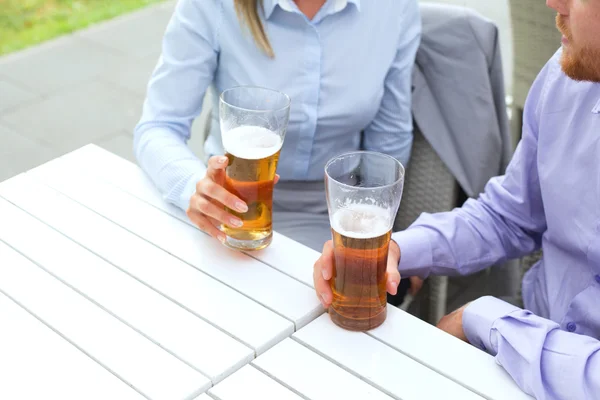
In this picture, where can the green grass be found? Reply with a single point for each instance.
(27, 22)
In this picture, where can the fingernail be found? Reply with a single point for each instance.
(394, 284)
(241, 207)
(236, 222)
(222, 160)
(325, 275)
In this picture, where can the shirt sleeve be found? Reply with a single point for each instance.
(391, 131)
(174, 99)
(545, 361)
(507, 221)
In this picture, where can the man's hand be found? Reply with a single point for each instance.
(323, 271)
(206, 208)
(452, 323)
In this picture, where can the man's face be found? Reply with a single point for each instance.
(579, 22)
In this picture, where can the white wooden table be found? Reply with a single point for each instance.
(107, 292)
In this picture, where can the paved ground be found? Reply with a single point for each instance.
(82, 88)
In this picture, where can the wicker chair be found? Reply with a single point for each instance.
(428, 187)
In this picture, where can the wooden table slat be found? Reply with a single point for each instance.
(306, 372)
(216, 303)
(250, 384)
(274, 290)
(204, 396)
(447, 355)
(130, 356)
(36, 363)
(186, 336)
(385, 368)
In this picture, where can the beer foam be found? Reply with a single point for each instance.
(251, 142)
(362, 221)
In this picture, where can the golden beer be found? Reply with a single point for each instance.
(253, 153)
(361, 238)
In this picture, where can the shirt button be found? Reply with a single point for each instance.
(304, 117)
(597, 277)
(571, 327)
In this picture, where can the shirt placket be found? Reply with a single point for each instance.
(312, 67)
(312, 77)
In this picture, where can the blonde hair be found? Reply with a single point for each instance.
(247, 11)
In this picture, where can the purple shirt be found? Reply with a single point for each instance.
(549, 198)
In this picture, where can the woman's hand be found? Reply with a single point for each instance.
(206, 208)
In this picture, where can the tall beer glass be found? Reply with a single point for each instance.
(253, 125)
(363, 195)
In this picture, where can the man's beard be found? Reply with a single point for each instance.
(579, 64)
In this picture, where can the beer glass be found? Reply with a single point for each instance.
(363, 195)
(253, 124)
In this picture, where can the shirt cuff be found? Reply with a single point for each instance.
(416, 256)
(478, 320)
(188, 191)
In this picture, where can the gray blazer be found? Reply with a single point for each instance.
(458, 94)
(459, 106)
